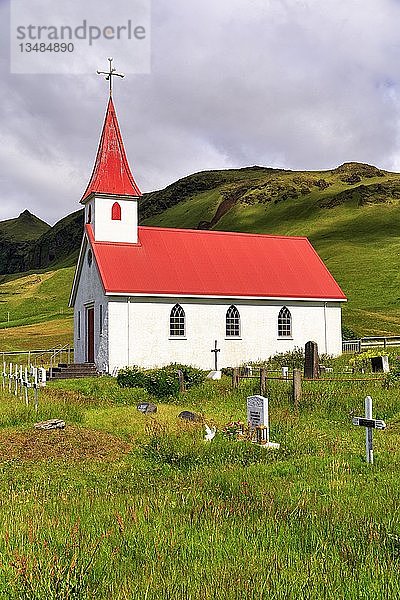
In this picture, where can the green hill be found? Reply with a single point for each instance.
(29, 244)
(350, 214)
(25, 227)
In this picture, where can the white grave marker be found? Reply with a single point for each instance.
(369, 423)
(258, 417)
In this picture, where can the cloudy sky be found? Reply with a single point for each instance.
(299, 84)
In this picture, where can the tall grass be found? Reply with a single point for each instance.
(181, 518)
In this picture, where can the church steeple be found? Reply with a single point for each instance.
(111, 172)
(112, 194)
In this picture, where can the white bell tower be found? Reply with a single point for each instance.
(111, 197)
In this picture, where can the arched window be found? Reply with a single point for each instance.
(232, 322)
(284, 323)
(177, 321)
(116, 212)
(89, 214)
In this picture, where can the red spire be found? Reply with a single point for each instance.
(111, 172)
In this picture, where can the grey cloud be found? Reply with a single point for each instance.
(290, 83)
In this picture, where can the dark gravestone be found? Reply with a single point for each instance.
(189, 416)
(380, 364)
(311, 361)
(147, 408)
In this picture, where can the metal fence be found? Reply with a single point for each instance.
(350, 346)
(40, 358)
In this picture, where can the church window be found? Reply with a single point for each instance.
(89, 214)
(284, 323)
(116, 212)
(90, 257)
(177, 321)
(232, 322)
(79, 325)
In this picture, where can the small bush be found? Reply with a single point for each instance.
(348, 334)
(163, 382)
(361, 363)
(191, 375)
(131, 377)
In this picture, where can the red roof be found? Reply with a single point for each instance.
(214, 263)
(111, 172)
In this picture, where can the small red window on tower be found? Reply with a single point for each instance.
(116, 212)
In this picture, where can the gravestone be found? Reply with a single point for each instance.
(311, 361)
(186, 415)
(147, 408)
(258, 420)
(257, 411)
(50, 424)
(380, 364)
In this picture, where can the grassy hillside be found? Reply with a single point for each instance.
(34, 310)
(25, 227)
(351, 215)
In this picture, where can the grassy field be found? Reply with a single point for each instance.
(37, 308)
(121, 505)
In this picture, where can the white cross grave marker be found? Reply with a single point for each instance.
(370, 424)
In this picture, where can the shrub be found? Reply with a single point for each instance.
(163, 382)
(362, 362)
(191, 375)
(131, 377)
(348, 334)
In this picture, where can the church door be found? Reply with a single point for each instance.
(90, 335)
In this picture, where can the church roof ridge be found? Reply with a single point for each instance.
(111, 172)
(219, 232)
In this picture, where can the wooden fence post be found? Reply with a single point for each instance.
(235, 377)
(296, 388)
(263, 381)
(182, 387)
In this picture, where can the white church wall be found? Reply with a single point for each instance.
(144, 338)
(90, 294)
(105, 229)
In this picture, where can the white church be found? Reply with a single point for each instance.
(149, 296)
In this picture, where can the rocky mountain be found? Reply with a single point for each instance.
(27, 243)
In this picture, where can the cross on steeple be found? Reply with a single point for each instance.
(110, 74)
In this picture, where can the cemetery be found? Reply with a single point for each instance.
(166, 476)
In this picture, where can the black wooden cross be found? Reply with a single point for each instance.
(216, 350)
(112, 72)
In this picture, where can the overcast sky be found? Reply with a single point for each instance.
(299, 84)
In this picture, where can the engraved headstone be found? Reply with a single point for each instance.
(258, 420)
(311, 361)
(257, 411)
